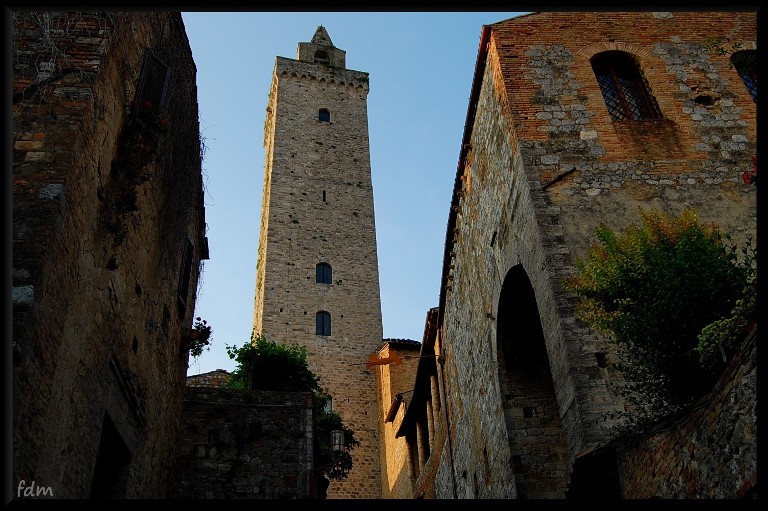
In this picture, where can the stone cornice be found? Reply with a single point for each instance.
(338, 76)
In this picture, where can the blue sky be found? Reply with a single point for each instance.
(420, 66)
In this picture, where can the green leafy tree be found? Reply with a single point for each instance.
(266, 365)
(725, 334)
(651, 290)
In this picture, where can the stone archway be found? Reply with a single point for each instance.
(538, 452)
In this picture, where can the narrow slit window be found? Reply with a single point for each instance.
(323, 273)
(324, 115)
(323, 323)
(745, 62)
(625, 90)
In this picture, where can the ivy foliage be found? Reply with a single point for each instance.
(651, 290)
(266, 365)
(724, 334)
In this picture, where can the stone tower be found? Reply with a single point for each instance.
(317, 279)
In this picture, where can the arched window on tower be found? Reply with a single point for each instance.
(745, 62)
(321, 57)
(625, 90)
(324, 115)
(323, 323)
(323, 273)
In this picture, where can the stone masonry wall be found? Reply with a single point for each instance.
(244, 445)
(318, 208)
(217, 378)
(545, 166)
(496, 200)
(711, 453)
(95, 328)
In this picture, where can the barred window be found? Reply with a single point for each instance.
(745, 62)
(625, 90)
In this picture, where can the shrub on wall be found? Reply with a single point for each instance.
(266, 365)
(652, 289)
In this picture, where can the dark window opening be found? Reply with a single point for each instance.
(745, 62)
(321, 57)
(184, 276)
(324, 115)
(625, 90)
(153, 82)
(323, 195)
(113, 463)
(323, 273)
(323, 323)
(704, 100)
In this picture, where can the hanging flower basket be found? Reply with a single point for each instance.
(197, 338)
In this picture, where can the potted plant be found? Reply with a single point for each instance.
(197, 338)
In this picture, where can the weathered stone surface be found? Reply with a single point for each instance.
(97, 369)
(543, 164)
(236, 444)
(318, 208)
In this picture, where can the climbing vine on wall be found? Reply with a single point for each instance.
(652, 289)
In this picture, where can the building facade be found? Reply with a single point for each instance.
(317, 280)
(108, 239)
(576, 119)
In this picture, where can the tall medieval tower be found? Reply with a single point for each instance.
(317, 278)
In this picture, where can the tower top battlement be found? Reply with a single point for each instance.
(322, 51)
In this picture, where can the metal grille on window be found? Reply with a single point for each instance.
(625, 90)
(745, 62)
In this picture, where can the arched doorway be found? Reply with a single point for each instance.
(536, 441)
